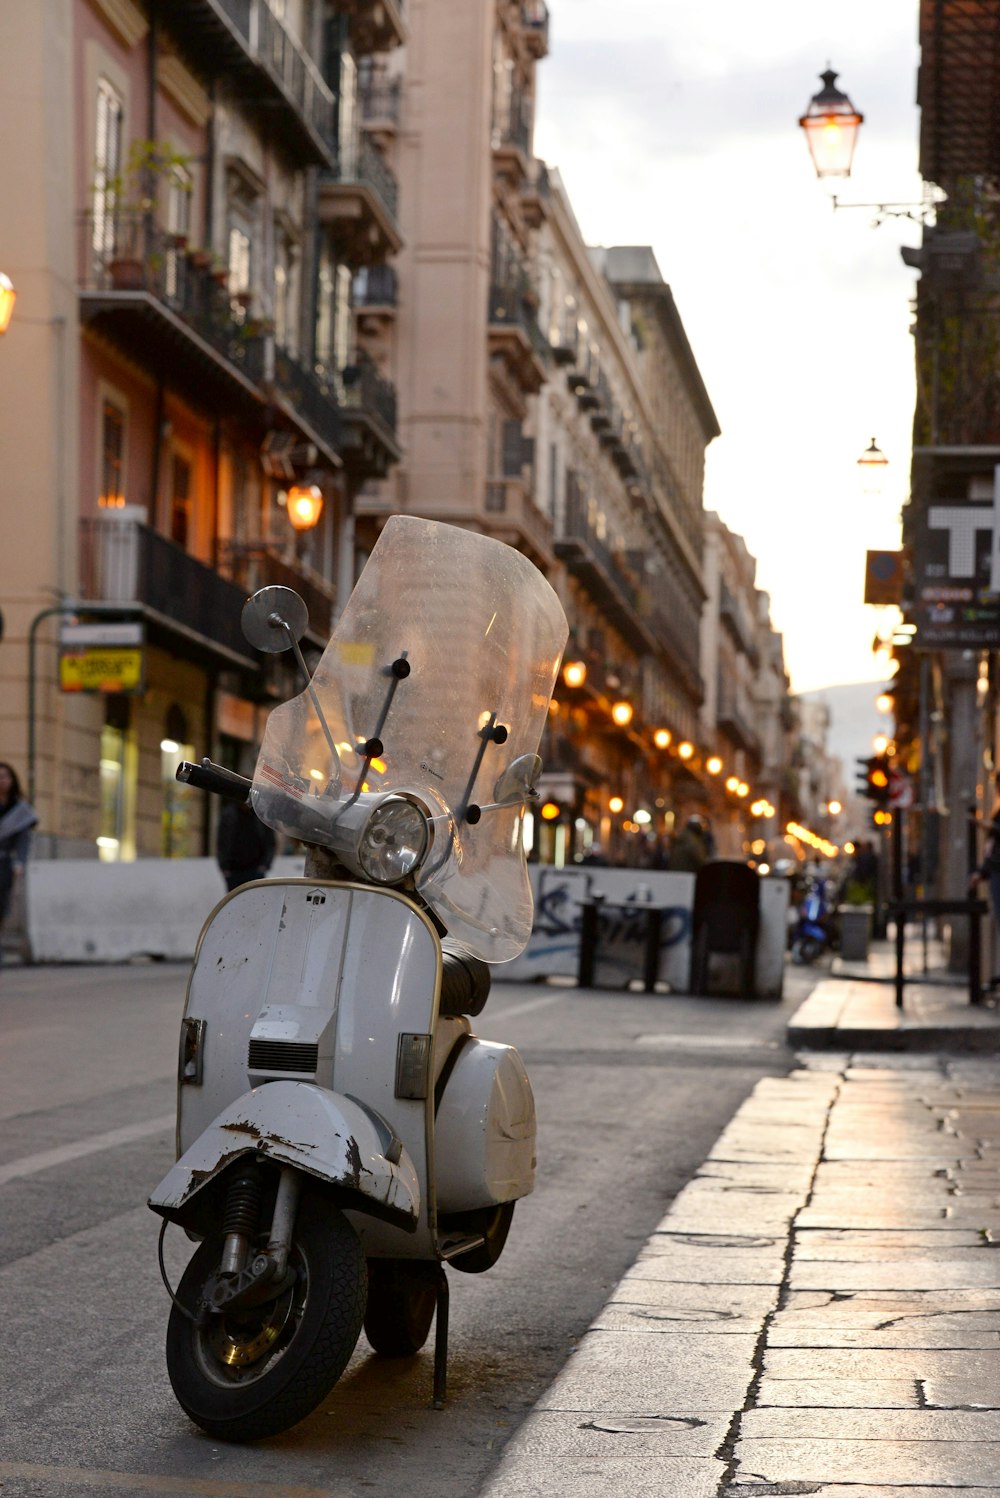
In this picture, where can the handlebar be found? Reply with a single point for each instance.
(214, 778)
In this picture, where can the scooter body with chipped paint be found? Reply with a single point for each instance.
(311, 1038)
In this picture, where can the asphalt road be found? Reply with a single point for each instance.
(632, 1090)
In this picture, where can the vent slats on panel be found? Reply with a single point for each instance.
(282, 1055)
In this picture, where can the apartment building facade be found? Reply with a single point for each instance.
(297, 257)
(199, 199)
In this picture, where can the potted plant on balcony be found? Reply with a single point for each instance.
(126, 204)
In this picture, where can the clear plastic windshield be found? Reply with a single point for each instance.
(481, 634)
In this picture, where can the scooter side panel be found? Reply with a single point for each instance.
(484, 1137)
(296, 1124)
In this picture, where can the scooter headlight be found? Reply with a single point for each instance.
(394, 841)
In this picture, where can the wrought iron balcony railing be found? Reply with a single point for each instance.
(125, 253)
(278, 52)
(313, 398)
(359, 161)
(515, 306)
(362, 388)
(380, 99)
(123, 561)
(258, 564)
(375, 286)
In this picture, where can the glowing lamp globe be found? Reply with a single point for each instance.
(305, 506)
(8, 296)
(831, 127)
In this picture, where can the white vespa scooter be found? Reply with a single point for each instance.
(341, 1132)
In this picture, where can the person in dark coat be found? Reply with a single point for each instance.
(17, 823)
(691, 847)
(244, 846)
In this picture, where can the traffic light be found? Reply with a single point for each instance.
(874, 780)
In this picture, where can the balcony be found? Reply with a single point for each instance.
(536, 196)
(381, 99)
(512, 516)
(582, 379)
(511, 142)
(258, 564)
(148, 297)
(374, 25)
(535, 21)
(739, 626)
(734, 719)
(678, 636)
(605, 574)
(244, 41)
(123, 561)
(515, 337)
(374, 297)
(565, 347)
(358, 200)
(368, 412)
(310, 404)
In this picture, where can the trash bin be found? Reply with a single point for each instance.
(725, 920)
(855, 931)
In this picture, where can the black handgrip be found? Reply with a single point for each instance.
(214, 778)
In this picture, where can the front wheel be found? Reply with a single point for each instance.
(246, 1374)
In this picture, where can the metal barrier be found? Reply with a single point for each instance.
(901, 910)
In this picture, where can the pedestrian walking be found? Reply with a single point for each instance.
(17, 822)
(691, 847)
(244, 846)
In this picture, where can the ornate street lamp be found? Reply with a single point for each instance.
(831, 126)
(8, 296)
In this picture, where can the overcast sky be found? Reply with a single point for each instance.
(674, 123)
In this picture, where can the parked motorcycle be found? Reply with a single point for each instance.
(815, 929)
(342, 1134)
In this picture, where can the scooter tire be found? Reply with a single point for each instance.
(254, 1374)
(402, 1299)
(806, 950)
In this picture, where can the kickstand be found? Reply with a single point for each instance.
(441, 1342)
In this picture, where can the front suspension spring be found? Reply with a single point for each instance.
(243, 1206)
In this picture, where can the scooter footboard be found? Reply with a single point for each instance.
(298, 1124)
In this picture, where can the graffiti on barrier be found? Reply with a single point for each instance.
(554, 947)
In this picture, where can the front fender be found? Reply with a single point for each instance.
(320, 1133)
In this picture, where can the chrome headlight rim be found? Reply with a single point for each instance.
(383, 856)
